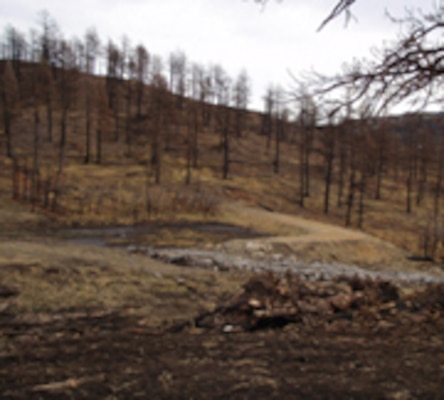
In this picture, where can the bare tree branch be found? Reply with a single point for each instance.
(411, 69)
(341, 7)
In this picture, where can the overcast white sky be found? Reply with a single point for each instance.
(234, 33)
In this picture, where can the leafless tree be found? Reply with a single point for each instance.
(224, 114)
(328, 136)
(195, 112)
(279, 120)
(411, 69)
(178, 72)
(49, 37)
(48, 89)
(49, 51)
(206, 95)
(92, 49)
(157, 69)
(142, 59)
(241, 98)
(194, 125)
(129, 92)
(114, 63)
(307, 119)
(9, 104)
(103, 112)
(38, 84)
(267, 124)
(67, 85)
(380, 146)
(15, 48)
(426, 151)
(160, 108)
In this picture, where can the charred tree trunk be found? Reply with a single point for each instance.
(409, 184)
(156, 162)
(35, 170)
(140, 90)
(89, 105)
(226, 150)
(302, 174)
(276, 162)
(422, 181)
(437, 241)
(379, 172)
(25, 191)
(62, 145)
(15, 179)
(308, 145)
(362, 187)
(7, 121)
(350, 197)
(128, 117)
(328, 176)
(341, 180)
(99, 145)
(88, 137)
(49, 113)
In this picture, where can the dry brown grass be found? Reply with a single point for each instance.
(117, 191)
(52, 277)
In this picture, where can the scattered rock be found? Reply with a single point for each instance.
(273, 301)
(260, 258)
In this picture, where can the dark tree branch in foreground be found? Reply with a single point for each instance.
(412, 69)
(341, 7)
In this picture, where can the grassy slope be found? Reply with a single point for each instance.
(54, 277)
(116, 191)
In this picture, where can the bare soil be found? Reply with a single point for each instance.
(114, 356)
(88, 322)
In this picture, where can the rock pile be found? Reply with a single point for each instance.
(272, 301)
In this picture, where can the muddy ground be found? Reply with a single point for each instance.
(90, 322)
(114, 357)
(280, 337)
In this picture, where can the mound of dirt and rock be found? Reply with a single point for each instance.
(272, 301)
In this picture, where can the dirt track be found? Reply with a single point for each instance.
(313, 241)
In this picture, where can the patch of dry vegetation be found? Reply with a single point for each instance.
(55, 277)
(122, 189)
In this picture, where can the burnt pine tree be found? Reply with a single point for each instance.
(67, 83)
(241, 97)
(160, 109)
(267, 124)
(92, 47)
(15, 49)
(10, 104)
(223, 115)
(49, 51)
(38, 81)
(194, 124)
(142, 59)
(327, 139)
(113, 83)
(102, 117)
(178, 74)
(281, 121)
(342, 159)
